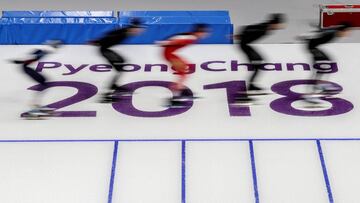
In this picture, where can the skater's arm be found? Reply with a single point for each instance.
(252, 33)
(322, 38)
(179, 40)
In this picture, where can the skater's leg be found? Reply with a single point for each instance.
(317, 89)
(114, 81)
(256, 61)
(252, 81)
(319, 56)
(117, 62)
(36, 102)
(180, 66)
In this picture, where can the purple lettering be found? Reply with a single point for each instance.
(271, 66)
(206, 67)
(326, 67)
(125, 104)
(163, 67)
(232, 87)
(101, 68)
(73, 69)
(42, 65)
(84, 91)
(131, 67)
(291, 66)
(283, 105)
(235, 66)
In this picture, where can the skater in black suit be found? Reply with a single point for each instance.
(105, 44)
(37, 55)
(313, 43)
(323, 37)
(249, 34)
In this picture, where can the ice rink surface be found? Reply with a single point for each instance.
(139, 151)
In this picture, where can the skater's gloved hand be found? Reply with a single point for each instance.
(162, 43)
(235, 37)
(94, 43)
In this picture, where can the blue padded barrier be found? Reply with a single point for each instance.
(5, 37)
(163, 24)
(78, 27)
(65, 14)
(72, 27)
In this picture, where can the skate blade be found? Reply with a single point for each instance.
(174, 106)
(187, 99)
(125, 94)
(180, 104)
(255, 92)
(102, 101)
(108, 100)
(314, 106)
(33, 117)
(177, 107)
(42, 114)
(249, 103)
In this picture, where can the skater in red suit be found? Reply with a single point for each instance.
(180, 65)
